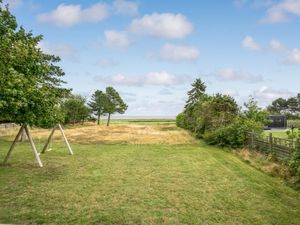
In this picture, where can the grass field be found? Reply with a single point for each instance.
(278, 133)
(120, 181)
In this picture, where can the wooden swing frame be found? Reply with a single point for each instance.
(35, 152)
(58, 126)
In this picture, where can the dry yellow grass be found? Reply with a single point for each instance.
(262, 162)
(117, 134)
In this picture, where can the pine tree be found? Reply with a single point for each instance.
(97, 104)
(113, 103)
(195, 94)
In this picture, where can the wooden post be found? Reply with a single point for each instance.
(65, 139)
(270, 142)
(13, 144)
(33, 147)
(49, 139)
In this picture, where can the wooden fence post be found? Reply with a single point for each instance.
(270, 142)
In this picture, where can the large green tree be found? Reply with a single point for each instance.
(113, 103)
(97, 104)
(30, 82)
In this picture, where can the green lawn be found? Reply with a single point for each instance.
(140, 184)
(278, 133)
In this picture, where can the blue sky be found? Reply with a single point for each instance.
(151, 51)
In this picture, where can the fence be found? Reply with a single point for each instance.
(8, 125)
(281, 147)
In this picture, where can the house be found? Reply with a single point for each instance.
(277, 121)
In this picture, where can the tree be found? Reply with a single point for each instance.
(253, 112)
(195, 94)
(30, 82)
(278, 106)
(75, 109)
(216, 111)
(289, 107)
(113, 103)
(97, 104)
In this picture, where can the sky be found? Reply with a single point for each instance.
(151, 51)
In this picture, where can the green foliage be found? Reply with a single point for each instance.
(289, 107)
(217, 118)
(30, 83)
(180, 120)
(97, 104)
(253, 112)
(212, 113)
(195, 94)
(233, 135)
(113, 103)
(294, 165)
(75, 109)
(293, 133)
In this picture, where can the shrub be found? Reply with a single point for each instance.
(294, 164)
(180, 120)
(234, 135)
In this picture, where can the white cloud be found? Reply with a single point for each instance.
(277, 45)
(249, 43)
(120, 78)
(61, 50)
(160, 78)
(165, 25)
(266, 95)
(281, 11)
(293, 56)
(229, 74)
(69, 15)
(179, 53)
(116, 39)
(125, 7)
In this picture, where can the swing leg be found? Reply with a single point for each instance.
(49, 139)
(65, 138)
(13, 144)
(33, 147)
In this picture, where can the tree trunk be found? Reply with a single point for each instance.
(98, 119)
(108, 119)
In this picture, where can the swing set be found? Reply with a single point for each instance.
(35, 152)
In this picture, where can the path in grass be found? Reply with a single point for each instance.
(140, 184)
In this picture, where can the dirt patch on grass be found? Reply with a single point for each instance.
(120, 134)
